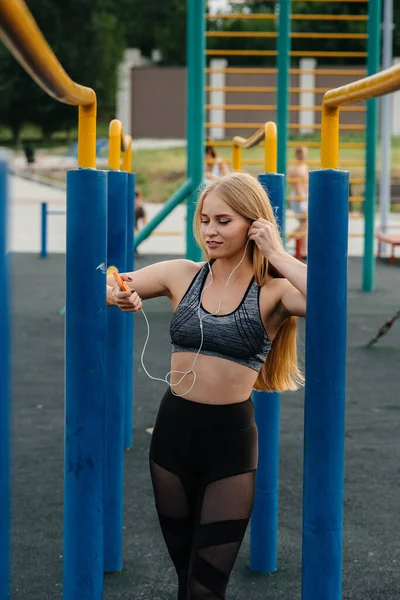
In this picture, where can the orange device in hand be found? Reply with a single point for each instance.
(122, 285)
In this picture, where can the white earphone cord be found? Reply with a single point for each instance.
(201, 319)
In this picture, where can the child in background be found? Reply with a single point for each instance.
(140, 213)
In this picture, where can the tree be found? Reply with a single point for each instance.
(249, 26)
(89, 49)
(155, 24)
(309, 27)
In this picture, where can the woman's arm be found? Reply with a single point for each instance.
(292, 269)
(294, 293)
(294, 290)
(150, 282)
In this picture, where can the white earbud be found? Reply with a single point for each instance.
(201, 319)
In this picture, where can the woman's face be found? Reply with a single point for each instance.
(224, 230)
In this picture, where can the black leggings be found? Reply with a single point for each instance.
(203, 460)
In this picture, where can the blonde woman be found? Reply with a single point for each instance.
(239, 309)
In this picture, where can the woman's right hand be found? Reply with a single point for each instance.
(128, 301)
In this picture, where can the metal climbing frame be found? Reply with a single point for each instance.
(86, 360)
(281, 100)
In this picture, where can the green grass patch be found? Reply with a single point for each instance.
(160, 172)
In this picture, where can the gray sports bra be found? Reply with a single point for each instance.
(238, 336)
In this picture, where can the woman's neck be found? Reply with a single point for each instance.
(223, 267)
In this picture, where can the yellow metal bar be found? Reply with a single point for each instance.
(330, 138)
(316, 53)
(271, 148)
(270, 17)
(87, 136)
(294, 71)
(318, 144)
(23, 38)
(293, 108)
(376, 85)
(241, 52)
(228, 144)
(295, 35)
(268, 133)
(350, 127)
(242, 16)
(236, 158)
(127, 156)
(334, 54)
(243, 88)
(329, 36)
(332, 71)
(370, 87)
(116, 143)
(243, 71)
(262, 89)
(241, 34)
(291, 126)
(253, 140)
(329, 17)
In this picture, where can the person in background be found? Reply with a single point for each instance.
(29, 152)
(140, 213)
(213, 170)
(299, 191)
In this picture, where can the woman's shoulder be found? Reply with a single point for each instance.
(182, 266)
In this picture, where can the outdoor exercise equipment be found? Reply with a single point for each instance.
(326, 348)
(276, 97)
(384, 329)
(86, 359)
(86, 323)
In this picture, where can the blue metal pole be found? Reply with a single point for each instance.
(325, 385)
(115, 379)
(130, 263)
(274, 186)
(84, 384)
(264, 520)
(43, 252)
(5, 396)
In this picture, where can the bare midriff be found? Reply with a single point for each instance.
(218, 381)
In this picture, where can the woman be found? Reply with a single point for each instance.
(203, 453)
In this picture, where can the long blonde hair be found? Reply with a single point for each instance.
(245, 195)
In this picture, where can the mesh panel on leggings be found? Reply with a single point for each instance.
(175, 521)
(225, 515)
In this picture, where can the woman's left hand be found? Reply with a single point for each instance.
(266, 237)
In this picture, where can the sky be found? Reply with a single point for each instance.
(218, 5)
